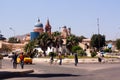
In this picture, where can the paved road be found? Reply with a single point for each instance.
(45, 71)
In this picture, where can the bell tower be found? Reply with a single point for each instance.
(48, 27)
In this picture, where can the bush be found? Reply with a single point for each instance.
(76, 48)
(52, 54)
(93, 54)
(118, 44)
(108, 50)
(81, 53)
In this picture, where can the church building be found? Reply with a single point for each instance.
(39, 29)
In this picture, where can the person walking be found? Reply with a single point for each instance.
(51, 57)
(76, 58)
(100, 57)
(14, 59)
(60, 58)
(21, 56)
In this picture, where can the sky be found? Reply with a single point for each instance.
(80, 15)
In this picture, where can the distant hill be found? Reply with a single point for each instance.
(21, 37)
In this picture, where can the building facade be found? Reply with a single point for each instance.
(39, 29)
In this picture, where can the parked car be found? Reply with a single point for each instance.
(27, 60)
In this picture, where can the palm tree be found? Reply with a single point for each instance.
(29, 47)
(57, 40)
(71, 41)
(43, 41)
(14, 40)
(56, 34)
(81, 38)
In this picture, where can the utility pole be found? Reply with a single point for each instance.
(98, 33)
(98, 25)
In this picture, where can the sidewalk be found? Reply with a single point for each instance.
(82, 61)
(7, 72)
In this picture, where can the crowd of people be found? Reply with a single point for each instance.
(20, 55)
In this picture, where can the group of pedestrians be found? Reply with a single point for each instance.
(14, 59)
(60, 58)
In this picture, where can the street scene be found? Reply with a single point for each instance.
(59, 40)
(67, 71)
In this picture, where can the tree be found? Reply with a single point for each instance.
(43, 41)
(56, 34)
(93, 54)
(76, 48)
(13, 40)
(79, 50)
(57, 40)
(118, 44)
(97, 41)
(81, 38)
(71, 40)
(29, 48)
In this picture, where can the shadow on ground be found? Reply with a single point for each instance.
(16, 75)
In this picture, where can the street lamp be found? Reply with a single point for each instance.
(12, 30)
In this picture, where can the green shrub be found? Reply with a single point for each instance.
(93, 54)
(108, 50)
(52, 54)
(76, 48)
(81, 53)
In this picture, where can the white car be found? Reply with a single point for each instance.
(10, 55)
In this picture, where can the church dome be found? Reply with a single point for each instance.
(39, 24)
